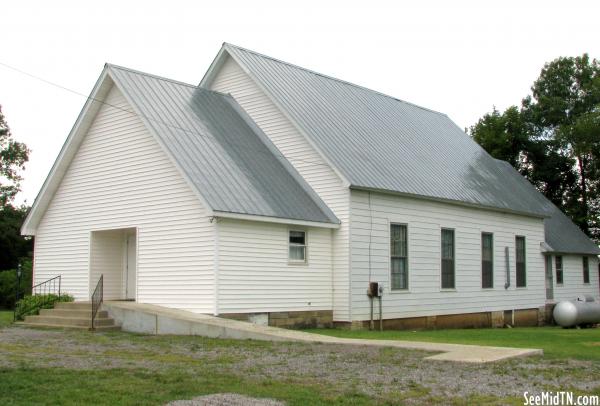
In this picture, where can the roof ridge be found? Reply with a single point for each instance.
(178, 82)
(227, 44)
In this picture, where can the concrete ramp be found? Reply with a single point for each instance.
(151, 319)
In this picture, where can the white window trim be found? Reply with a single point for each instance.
(443, 289)
(389, 230)
(525, 251)
(493, 260)
(305, 245)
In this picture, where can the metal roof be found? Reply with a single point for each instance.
(561, 234)
(383, 143)
(225, 156)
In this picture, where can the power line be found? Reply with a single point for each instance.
(54, 84)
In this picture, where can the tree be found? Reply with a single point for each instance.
(14, 247)
(13, 156)
(565, 107)
(554, 138)
(504, 135)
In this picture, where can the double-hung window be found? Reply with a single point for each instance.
(521, 266)
(558, 264)
(487, 260)
(448, 259)
(297, 242)
(586, 270)
(399, 256)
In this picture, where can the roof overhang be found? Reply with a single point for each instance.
(449, 201)
(268, 219)
(67, 152)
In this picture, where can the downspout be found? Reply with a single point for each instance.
(215, 222)
(507, 258)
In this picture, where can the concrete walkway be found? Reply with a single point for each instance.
(150, 319)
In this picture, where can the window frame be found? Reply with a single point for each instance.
(305, 245)
(391, 257)
(585, 262)
(517, 238)
(559, 268)
(453, 287)
(491, 236)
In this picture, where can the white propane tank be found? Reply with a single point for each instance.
(570, 313)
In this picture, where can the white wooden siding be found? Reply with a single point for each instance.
(121, 178)
(106, 258)
(254, 273)
(573, 285)
(317, 173)
(425, 220)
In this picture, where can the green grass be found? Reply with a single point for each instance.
(172, 375)
(34, 386)
(77, 367)
(6, 317)
(556, 342)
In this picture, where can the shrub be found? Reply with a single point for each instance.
(8, 285)
(31, 305)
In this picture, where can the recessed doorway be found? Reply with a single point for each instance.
(113, 253)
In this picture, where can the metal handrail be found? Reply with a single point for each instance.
(44, 289)
(97, 299)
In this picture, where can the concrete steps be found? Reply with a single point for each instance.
(71, 315)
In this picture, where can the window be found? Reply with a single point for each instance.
(399, 256)
(447, 259)
(297, 251)
(487, 260)
(586, 270)
(559, 269)
(520, 256)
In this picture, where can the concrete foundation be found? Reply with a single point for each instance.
(300, 319)
(516, 318)
(151, 323)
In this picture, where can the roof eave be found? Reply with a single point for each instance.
(278, 220)
(450, 201)
(65, 155)
(562, 252)
(214, 67)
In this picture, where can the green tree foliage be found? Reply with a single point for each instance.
(503, 135)
(13, 245)
(13, 156)
(8, 284)
(554, 137)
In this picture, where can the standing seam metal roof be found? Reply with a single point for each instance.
(379, 142)
(561, 234)
(226, 157)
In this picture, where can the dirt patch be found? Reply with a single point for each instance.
(226, 399)
(593, 344)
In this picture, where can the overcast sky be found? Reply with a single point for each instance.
(460, 58)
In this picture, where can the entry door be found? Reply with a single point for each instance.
(130, 267)
(549, 279)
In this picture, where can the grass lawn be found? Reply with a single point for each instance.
(6, 318)
(69, 367)
(557, 343)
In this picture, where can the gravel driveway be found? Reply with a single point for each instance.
(378, 372)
